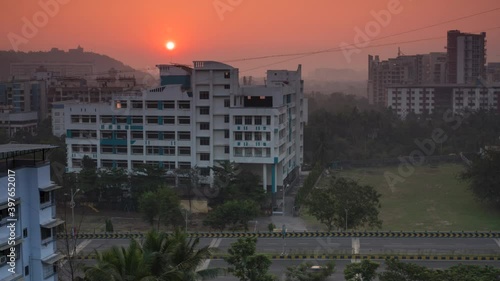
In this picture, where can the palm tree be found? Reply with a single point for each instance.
(159, 257)
(189, 259)
(119, 264)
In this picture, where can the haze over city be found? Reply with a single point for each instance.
(136, 32)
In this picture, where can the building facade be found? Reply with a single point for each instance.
(427, 99)
(466, 57)
(24, 167)
(195, 118)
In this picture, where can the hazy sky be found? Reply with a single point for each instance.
(135, 32)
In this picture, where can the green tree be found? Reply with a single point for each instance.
(345, 198)
(463, 272)
(245, 264)
(112, 184)
(161, 205)
(234, 214)
(308, 272)
(400, 271)
(119, 264)
(484, 178)
(145, 178)
(366, 270)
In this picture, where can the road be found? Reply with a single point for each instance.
(296, 246)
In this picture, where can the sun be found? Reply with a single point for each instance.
(170, 45)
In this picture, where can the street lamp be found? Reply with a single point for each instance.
(345, 219)
(284, 188)
(72, 206)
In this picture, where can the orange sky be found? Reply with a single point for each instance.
(135, 32)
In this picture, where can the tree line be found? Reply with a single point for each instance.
(343, 127)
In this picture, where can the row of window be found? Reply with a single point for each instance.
(249, 136)
(252, 152)
(252, 120)
(139, 104)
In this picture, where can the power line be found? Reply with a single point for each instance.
(360, 48)
(375, 39)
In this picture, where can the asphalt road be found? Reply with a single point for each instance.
(406, 246)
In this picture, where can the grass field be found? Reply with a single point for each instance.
(430, 199)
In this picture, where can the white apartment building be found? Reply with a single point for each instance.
(196, 117)
(431, 98)
(35, 255)
(405, 100)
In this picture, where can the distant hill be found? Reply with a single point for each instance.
(102, 63)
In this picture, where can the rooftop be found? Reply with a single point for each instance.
(16, 149)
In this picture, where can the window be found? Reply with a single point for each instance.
(168, 119)
(268, 120)
(227, 74)
(106, 119)
(204, 95)
(137, 104)
(238, 151)
(106, 149)
(169, 135)
(152, 150)
(204, 110)
(121, 135)
(184, 105)
(169, 150)
(184, 120)
(46, 233)
(205, 156)
(49, 270)
(169, 104)
(258, 120)
(184, 150)
(226, 118)
(226, 149)
(238, 120)
(121, 149)
(268, 136)
(136, 119)
(137, 150)
(184, 135)
(136, 135)
(184, 165)
(248, 136)
(152, 104)
(248, 120)
(227, 103)
(248, 151)
(169, 165)
(226, 134)
(258, 136)
(26, 270)
(238, 136)
(204, 126)
(152, 120)
(121, 120)
(152, 135)
(227, 86)
(25, 233)
(204, 141)
(44, 197)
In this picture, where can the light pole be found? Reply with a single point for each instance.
(345, 219)
(72, 206)
(186, 220)
(284, 188)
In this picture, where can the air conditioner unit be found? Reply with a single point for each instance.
(3, 259)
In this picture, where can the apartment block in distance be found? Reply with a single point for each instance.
(197, 116)
(466, 57)
(25, 168)
(428, 99)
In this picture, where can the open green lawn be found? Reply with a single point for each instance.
(430, 199)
